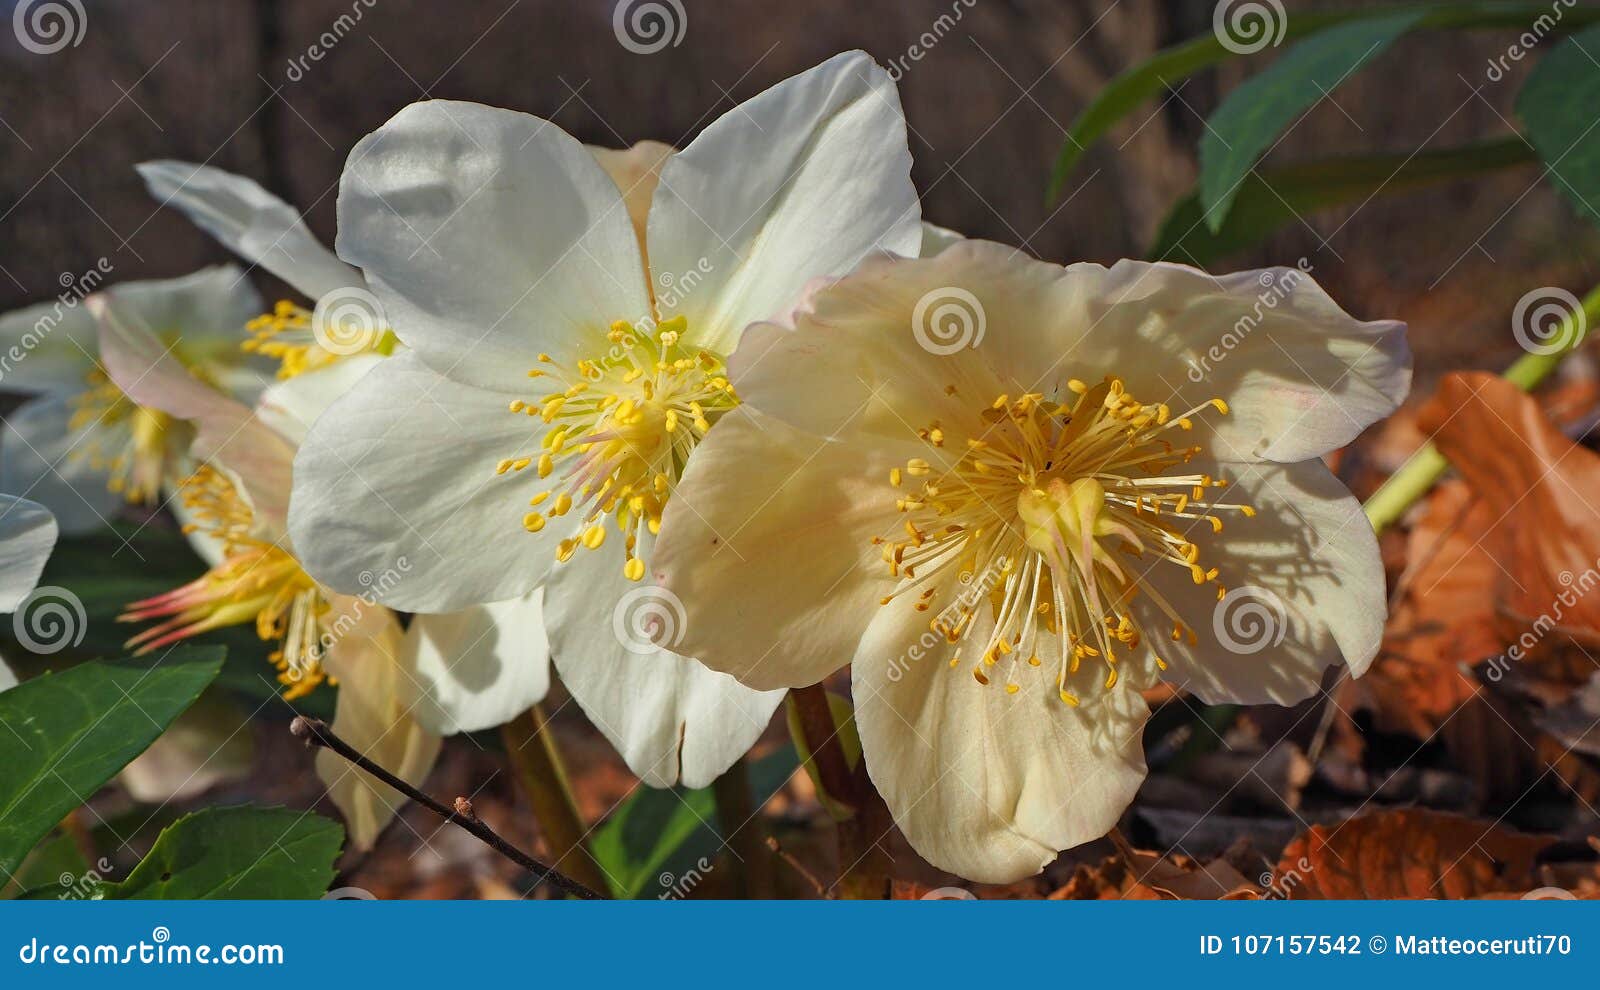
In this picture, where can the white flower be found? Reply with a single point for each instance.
(264, 230)
(566, 323)
(27, 535)
(399, 691)
(78, 445)
(1009, 539)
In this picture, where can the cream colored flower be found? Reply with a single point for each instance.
(995, 488)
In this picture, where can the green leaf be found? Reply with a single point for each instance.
(1270, 198)
(1558, 104)
(1256, 112)
(52, 869)
(239, 853)
(1164, 70)
(63, 735)
(658, 833)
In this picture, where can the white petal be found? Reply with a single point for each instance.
(250, 221)
(1306, 587)
(374, 717)
(489, 236)
(47, 346)
(42, 458)
(479, 667)
(8, 678)
(401, 470)
(802, 180)
(210, 743)
(27, 535)
(635, 171)
(671, 718)
(986, 784)
(767, 541)
(292, 405)
(203, 314)
(936, 238)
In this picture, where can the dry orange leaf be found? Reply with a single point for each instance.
(1409, 854)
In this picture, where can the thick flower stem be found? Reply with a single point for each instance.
(1424, 468)
(744, 832)
(864, 861)
(531, 744)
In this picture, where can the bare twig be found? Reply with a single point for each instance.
(316, 733)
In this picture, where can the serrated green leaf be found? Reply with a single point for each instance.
(63, 735)
(1164, 70)
(657, 833)
(1271, 198)
(241, 853)
(1559, 104)
(1257, 111)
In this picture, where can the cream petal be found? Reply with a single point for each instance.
(986, 784)
(374, 717)
(672, 718)
(401, 471)
(27, 535)
(251, 222)
(802, 180)
(479, 667)
(488, 236)
(1305, 589)
(767, 542)
(8, 678)
(43, 458)
(46, 346)
(635, 170)
(211, 743)
(292, 405)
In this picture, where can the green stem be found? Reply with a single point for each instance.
(742, 830)
(531, 744)
(864, 861)
(1418, 474)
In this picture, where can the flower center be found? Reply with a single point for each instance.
(255, 582)
(1042, 517)
(624, 424)
(126, 440)
(288, 335)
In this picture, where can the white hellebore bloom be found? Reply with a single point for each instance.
(566, 314)
(79, 446)
(1012, 519)
(27, 535)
